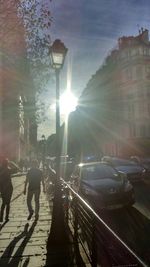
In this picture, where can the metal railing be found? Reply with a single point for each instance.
(101, 244)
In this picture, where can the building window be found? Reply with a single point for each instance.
(132, 130)
(140, 92)
(140, 51)
(148, 130)
(141, 108)
(142, 130)
(147, 72)
(134, 52)
(128, 74)
(131, 111)
(148, 107)
(139, 72)
(145, 51)
(148, 91)
(128, 54)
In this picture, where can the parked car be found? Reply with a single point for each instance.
(145, 163)
(134, 172)
(102, 185)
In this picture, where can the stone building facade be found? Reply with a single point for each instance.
(16, 87)
(120, 90)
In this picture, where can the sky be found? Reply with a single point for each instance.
(90, 30)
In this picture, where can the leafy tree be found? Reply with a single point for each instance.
(33, 22)
(25, 41)
(37, 19)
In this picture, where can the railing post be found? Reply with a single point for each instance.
(75, 221)
(66, 205)
(94, 246)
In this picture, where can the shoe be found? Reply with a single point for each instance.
(6, 219)
(30, 215)
(1, 219)
(36, 216)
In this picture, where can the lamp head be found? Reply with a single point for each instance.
(57, 54)
(43, 137)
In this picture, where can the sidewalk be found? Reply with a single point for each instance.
(22, 242)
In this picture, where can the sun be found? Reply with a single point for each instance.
(68, 103)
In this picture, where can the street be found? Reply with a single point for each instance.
(132, 224)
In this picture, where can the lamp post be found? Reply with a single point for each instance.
(57, 54)
(43, 143)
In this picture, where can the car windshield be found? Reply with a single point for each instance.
(123, 162)
(98, 172)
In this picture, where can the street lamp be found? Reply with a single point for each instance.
(57, 54)
(43, 143)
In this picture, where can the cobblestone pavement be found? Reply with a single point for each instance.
(23, 242)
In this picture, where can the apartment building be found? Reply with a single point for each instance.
(16, 117)
(120, 91)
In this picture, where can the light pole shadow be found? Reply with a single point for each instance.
(7, 258)
(2, 225)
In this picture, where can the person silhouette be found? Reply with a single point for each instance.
(6, 188)
(34, 178)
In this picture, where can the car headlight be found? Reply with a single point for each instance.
(144, 171)
(128, 186)
(89, 191)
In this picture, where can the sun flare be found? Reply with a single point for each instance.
(68, 103)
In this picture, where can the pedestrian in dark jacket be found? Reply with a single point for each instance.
(34, 178)
(6, 189)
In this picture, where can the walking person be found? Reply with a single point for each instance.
(34, 178)
(6, 189)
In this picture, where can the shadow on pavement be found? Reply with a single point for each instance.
(64, 255)
(19, 195)
(25, 264)
(77, 256)
(2, 225)
(13, 260)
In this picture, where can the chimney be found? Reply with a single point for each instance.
(144, 36)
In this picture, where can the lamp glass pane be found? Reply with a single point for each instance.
(57, 58)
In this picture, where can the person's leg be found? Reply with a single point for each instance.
(7, 211)
(4, 203)
(2, 210)
(29, 204)
(8, 199)
(37, 202)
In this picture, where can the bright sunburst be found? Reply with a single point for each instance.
(68, 103)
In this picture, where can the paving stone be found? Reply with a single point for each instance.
(33, 261)
(4, 236)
